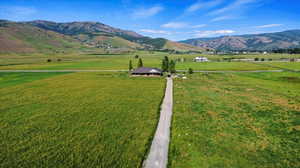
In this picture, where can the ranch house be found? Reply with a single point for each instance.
(144, 71)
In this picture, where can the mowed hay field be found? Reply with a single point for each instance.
(77, 119)
(236, 120)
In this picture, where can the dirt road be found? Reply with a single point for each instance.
(158, 155)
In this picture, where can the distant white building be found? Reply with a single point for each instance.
(201, 59)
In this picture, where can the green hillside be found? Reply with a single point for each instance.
(18, 37)
(45, 36)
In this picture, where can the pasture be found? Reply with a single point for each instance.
(236, 120)
(77, 119)
(84, 61)
(294, 66)
(108, 119)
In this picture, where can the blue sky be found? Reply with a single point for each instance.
(172, 19)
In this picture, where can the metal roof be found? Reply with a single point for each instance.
(144, 70)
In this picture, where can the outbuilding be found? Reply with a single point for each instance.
(145, 71)
(201, 59)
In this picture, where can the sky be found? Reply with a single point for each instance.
(172, 19)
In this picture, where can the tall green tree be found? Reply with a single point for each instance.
(140, 63)
(172, 68)
(165, 64)
(130, 65)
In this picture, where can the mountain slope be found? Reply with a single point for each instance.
(266, 41)
(93, 34)
(45, 36)
(18, 37)
(91, 31)
(74, 28)
(170, 45)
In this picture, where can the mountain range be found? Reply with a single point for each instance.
(47, 36)
(44, 36)
(253, 42)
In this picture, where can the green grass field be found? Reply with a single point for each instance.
(108, 119)
(120, 62)
(223, 66)
(284, 65)
(236, 120)
(77, 119)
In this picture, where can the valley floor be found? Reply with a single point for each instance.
(107, 119)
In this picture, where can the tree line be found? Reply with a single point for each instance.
(287, 51)
(166, 65)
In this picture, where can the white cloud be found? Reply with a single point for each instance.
(268, 26)
(179, 25)
(200, 5)
(175, 25)
(238, 4)
(212, 33)
(199, 26)
(155, 31)
(221, 18)
(145, 13)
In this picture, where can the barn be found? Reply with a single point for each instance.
(145, 71)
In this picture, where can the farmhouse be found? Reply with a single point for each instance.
(144, 71)
(201, 59)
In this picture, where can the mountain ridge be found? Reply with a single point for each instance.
(94, 35)
(263, 41)
(93, 29)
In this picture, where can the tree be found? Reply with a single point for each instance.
(190, 71)
(165, 64)
(136, 56)
(140, 63)
(130, 65)
(256, 59)
(172, 68)
(262, 59)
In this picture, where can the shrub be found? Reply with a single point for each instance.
(256, 59)
(262, 59)
(49, 60)
(190, 71)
